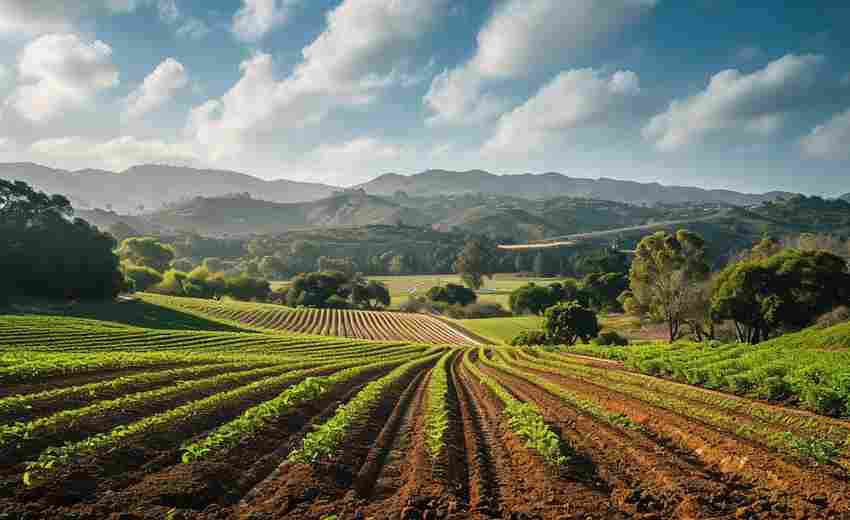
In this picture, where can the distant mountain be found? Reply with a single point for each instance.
(150, 186)
(242, 215)
(442, 182)
(846, 197)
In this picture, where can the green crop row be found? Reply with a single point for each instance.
(255, 419)
(437, 420)
(54, 458)
(523, 419)
(327, 438)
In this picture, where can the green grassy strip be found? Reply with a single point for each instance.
(327, 438)
(523, 419)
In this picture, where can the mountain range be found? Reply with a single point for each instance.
(148, 187)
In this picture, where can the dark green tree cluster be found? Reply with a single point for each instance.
(564, 323)
(452, 294)
(783, 292)
(44, 253)
(335, 289)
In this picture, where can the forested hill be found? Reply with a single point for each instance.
(442, 182)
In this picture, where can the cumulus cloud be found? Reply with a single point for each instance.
(256, 18)
(574, 99)
(521, 37)
(116, 154)
(34, 17)
(830, 140)
(58, 72)
(158, 88)
(755, 103)
(346, 162)
(358, 54)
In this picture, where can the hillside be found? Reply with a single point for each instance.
(442, 182)
(150, 186)
(242, 215)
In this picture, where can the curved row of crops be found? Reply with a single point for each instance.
(369, 325)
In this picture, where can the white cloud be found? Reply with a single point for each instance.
(358, 55)
(521, 37)
(351, 161)
(754, 103)
(34, 17)
(158, 88)
(573, 99)
(830, 140)
(193, 29)
(58, 72)
(116, 154)
(256, 18)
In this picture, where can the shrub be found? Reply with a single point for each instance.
(568, 322)
(141, 276)
(834, 317)
(452, 294)
(529, 338)
(612, 338)
(476, 310)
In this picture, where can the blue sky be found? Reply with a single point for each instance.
(703, 93)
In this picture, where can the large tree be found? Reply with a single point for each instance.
(783, 292)
(566, 323)
(46, 254)
(147, 252)
(474, 262)
(665, 276)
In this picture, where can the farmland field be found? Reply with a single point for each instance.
(100, 417)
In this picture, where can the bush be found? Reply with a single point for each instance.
(529, 338)
(142, 277)
(569, 322)
(415, 305)
(611, 338)
(452, 294)
(475, 310)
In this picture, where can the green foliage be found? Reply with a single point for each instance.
(475, 262)
(785, 291)
(602, 290)
(452, 294)
(147, 252)
(611, 337)
(45, 254)
(142, 277)
(437, 419)
(566, 323)
(532, 298)
(530, 338)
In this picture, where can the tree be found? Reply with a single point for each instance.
(603, 289)
(567, 322)
(786, 291)
(540, 264)
(452, 294)
(272, 267)
(314, 289)
(46, 254)
(143, 277)
(148, 252)
(533, 298)
(665, 275)
(475, 262)
(372, 294)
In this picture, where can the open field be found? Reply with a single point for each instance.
(501, 330)
(100, 417)
(372, 325)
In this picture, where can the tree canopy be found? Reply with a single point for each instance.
(567, 322)
(475, 262)
(147, 252)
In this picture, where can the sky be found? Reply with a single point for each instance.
(704, 93)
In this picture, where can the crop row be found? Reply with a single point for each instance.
(370, 325)
(523, 419)
(255, 419)
(324, 441)
(437, 419)
(788, 368)
(812, 447)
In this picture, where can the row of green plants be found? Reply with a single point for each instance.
(253, 420)
(523, 419)
(19, 404)
(780, 418)
(324, 442)
(797, 368)
(53, 459)
(17, 434)
(784, 441)
(437, 419)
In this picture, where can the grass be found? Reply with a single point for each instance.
(500, 330)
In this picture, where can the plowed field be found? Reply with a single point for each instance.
(214, 426)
